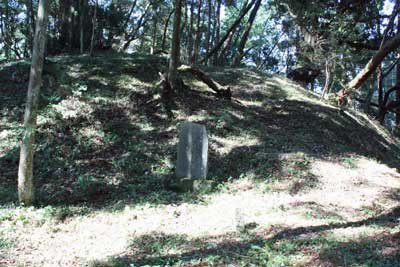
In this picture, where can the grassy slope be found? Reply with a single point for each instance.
(105, 142)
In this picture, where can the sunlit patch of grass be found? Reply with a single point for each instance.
(4, 242)
(117, 148)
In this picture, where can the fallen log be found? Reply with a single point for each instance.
(221, 91)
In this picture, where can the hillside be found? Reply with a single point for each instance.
(297, 182)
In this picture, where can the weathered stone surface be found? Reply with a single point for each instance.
(192, 152)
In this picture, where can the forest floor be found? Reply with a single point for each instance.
(296, 181)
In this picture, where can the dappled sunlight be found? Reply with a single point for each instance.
(282, 162)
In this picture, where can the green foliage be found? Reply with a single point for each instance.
(4, 242)
(350, 162)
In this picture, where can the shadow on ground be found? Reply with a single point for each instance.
(268, 249)
(119, 145)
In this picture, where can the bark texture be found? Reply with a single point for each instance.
(25, 170)
(175, 47)
(371, 66)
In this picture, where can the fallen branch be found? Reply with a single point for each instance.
(221, 91)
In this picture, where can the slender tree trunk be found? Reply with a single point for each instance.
(154, 37)
(175, 47)
(327, 79)
(6, 32)
(164, 38)
(195, 54)
(217, 30)
(81, 26)
(229, 38)
(398, 82)
(128, 18)
(141, 22)
(380, 94)
(208, 36)
(94, 26)
(25, 170)
(190, 33)
(240, 50)
(30, 28)
(31, 25)
(368, 98)
(232, 28)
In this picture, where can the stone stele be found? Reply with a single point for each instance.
(191, 166)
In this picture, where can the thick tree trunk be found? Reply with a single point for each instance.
(232, 28)
(371, 66)
(25, 170)
(175, 48)
(240, 50)
(385, 48)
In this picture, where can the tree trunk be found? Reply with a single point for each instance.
(25, 170)
(94, 26)
(128, 18)
(379, 78)
(385, 48)
(208, 36)
(398, 82)
(154, 37)
(163, 42)
(232, 28)
(190, 33)
(217, 27)
(198, 34)
(30, 26)
(368, 98)
(388, 105)
(6, 32)
(81, 26)
(371, 66)
(175, 47)
(141, 22)
(327, 79)
(247, 29)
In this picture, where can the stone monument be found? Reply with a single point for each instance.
(191, 168)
